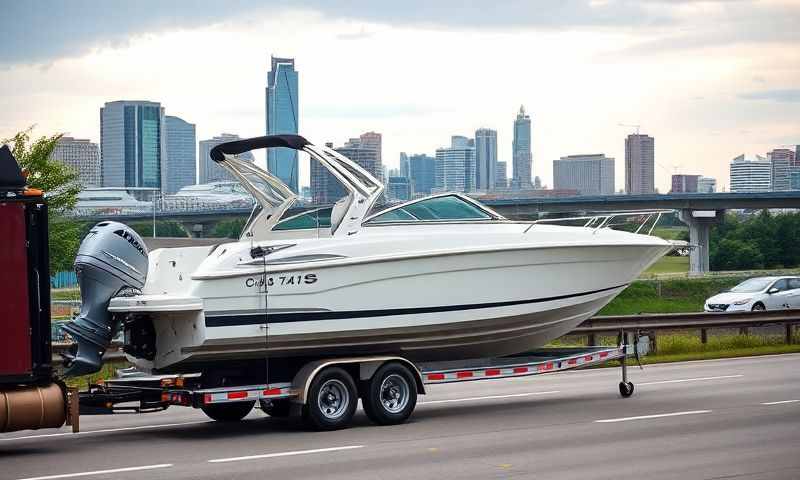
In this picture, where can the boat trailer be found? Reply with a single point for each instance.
(150, 393)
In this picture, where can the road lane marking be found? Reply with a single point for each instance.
(100, 472)
(489, 397)
(646, 417)
(780, 402)
(107, 430)
(698, 379)
(285, 454)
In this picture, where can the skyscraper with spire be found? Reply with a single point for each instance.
(282, 117)
(521, 149)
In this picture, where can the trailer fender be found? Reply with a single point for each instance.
(367, 368)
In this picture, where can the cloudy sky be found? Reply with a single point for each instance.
(708, 79)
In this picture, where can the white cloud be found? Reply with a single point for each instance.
(418, 85)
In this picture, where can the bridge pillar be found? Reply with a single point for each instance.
(195, 230)
(699, 222)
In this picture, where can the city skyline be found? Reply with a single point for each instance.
(705, 78)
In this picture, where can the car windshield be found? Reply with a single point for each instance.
(448, 207)
(752, 285)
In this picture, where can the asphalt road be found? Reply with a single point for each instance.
(731, 419)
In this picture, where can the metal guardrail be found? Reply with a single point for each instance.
(650, 321)
(671, 321)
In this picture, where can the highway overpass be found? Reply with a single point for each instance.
(698, 210)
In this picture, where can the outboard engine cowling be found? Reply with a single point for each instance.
(112, 258)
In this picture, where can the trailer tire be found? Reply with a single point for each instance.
(228, 412)
(276, 408)
(391, 395)
(625, 389)
(331, 401)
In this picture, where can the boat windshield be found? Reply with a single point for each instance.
(752, 285)
(441, 208)
(317, 218)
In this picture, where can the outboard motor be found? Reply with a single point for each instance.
(111, 259)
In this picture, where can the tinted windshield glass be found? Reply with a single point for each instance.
(314, 219)
(752, 285)
(437, 208)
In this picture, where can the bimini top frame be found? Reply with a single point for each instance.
(274, 197)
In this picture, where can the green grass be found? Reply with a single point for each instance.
(668, 265)
(65, 294)
(712, 354)
(682, 347)
(669, 233)
(678, 295)
(109, 370)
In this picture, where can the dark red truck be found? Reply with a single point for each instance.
(30, 395)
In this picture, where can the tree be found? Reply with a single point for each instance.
(164, 228)
(60, 186)
(732, 254)
(760, 241)
(58, 181)
(65, 238)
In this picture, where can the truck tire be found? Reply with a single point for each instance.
(276, 408)
(391, 395)
(228, 412)
(331, 401)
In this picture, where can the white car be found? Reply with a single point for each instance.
(761, 293)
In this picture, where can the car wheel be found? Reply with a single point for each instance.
(758, 307)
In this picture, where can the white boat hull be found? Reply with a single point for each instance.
(451, 306)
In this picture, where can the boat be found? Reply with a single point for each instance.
(437, 278)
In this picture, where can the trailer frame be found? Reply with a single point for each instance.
(157, 392)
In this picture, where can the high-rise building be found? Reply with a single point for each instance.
(485, 159)
(398, 189)
(372, 140)
(364, 151)
(783, 162)
(209, 170)
(404, 165)
(455, 166)
(501, 176)
(685, 183)
(588, 174)
(422, 172)
(706, 185)
(282, 117)
(82, 156)
(639, 164)
(521, 150)
(180, 167)
(750, 174)
(132, 144)
(794, 179)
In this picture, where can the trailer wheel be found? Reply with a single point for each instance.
(331, 401)
(391, 395)
(276, 408)
(626, 389)
(228, 412)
